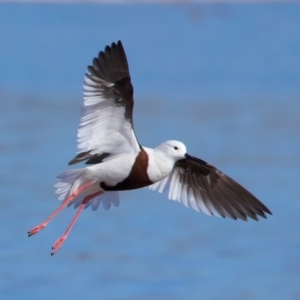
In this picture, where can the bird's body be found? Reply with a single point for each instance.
(117, 162)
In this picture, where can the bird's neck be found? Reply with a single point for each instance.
(159, 164)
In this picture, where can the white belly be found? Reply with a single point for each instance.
(111, 171)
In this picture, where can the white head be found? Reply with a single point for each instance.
(173, 149)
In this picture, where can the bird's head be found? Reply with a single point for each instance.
(173, 149)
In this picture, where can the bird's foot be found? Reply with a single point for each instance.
(36, 229)
(59, 242)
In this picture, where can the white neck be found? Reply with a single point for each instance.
(159, 164)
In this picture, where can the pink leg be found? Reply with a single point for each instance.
(59, 242)
(41, 226)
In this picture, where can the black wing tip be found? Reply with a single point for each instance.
(266, 210)
(111, 64)
(73, 161)
(90, 159)
(255, 215)
(96, 159)
(118, 46)
(80, 157)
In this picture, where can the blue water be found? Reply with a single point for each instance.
(224, 79)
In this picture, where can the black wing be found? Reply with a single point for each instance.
(203, 187)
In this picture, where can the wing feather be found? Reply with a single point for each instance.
(201, 186)
(106, 124)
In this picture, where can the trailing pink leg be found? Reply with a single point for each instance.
(41, 226)
(59, 242)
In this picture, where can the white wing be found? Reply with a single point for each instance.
(106, 126)
(204, 188)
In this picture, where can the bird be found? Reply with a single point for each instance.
(116, 161)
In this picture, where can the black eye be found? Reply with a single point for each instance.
(176, 148)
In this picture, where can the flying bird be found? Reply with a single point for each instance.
(118, 162)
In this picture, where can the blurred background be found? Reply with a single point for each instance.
(222, 78)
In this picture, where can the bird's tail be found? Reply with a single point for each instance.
(73, 180)
(68, 182)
